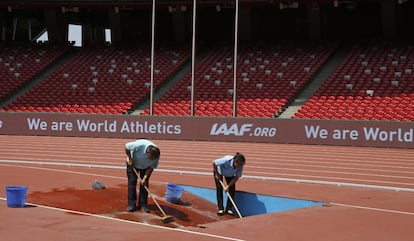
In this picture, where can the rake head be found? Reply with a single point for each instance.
(167, 219)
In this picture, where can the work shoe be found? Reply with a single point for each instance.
(230, 212)
(145, 209)
(220, 212)
(131, 209)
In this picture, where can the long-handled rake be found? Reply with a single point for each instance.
(165, 218)
(231, 200)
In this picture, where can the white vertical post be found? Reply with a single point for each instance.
(236, 26)
(29, 26)
(152, 59)
(193, 59)
(3, 32)
(15, 21)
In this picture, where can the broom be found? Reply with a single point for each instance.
(165, 218)
(231, 200)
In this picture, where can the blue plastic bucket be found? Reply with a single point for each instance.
(16, 196)
(174, 193)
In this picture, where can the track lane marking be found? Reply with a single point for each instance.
(132, 222)
(270, 178)
(373, 209)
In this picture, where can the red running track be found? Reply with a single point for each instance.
(369, 191)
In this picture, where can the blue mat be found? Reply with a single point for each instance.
(253, 204)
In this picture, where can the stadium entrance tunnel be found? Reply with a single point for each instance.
(250, 204)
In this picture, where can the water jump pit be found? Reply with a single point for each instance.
(196, 207)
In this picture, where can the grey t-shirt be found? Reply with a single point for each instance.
(138, 153)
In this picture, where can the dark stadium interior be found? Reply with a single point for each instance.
(259, 20)
(324, 31)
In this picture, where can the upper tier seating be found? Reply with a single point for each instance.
(374, 82)
(18, 64)
(105, 80)
(267, 77)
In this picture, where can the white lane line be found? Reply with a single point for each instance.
(359, 165)
(353, 180)
(296, 180)
(283, 149)
(269, 170)
(373, 209)
(251, 171)
(132, 222)
(345, 184)
(64, 171)
(290, 157)
(313, 165)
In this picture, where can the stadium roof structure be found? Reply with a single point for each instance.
(22, 4)
(118, 2)
(166, 2)
(131, 4)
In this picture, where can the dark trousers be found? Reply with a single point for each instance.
(219, 191)
(132, 188)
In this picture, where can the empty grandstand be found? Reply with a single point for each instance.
(284, 66)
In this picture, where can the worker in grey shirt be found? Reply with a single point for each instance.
(231, 168)
(143, 155)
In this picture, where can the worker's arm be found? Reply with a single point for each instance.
(147, 175)
(232, 182)
(129, 160)
(215, 171)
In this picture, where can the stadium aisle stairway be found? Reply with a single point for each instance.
(101, 80)
(268, 76)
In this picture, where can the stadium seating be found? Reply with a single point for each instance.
(374, 82)
(106, 80)
(267, 77)
(20, 62)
